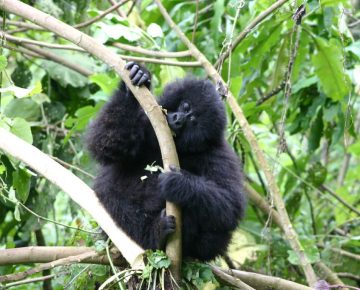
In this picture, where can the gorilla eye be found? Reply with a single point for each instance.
(186, 107)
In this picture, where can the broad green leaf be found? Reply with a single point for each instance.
(170, 73)
(304, 83)
(118, 30)
(23, 108)
(21, 76)
(154, 30)
(16, 91)
(22, 129)
(106, 82)
(329, 69)
(3, 62)
(21, 183)
(354, 149)
(316, 132)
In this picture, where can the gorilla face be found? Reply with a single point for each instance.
(195, 115)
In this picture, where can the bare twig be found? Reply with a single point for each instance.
(349, 276)
(118, 10)
(153, 53)
(341, 200)
(50, 265)
(345, 253)
(54, 57)
(23, 51)
(263, 15)
(353, 24)
(271, 94)
(21, 40)
(230, 279)
(22, 24)
(259, 281)
(31, 280)
(290, 233)
(101, 15)
(346, 161)
(26, 255)
(160, 61)
(325, 273)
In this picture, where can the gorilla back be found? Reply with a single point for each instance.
(207, 187)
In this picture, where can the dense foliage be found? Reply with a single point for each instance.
(309, 129)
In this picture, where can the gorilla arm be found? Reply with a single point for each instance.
(120, 130)
(215, 204)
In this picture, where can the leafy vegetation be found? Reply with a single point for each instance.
(49, 104)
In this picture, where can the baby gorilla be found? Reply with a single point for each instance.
(207, 187)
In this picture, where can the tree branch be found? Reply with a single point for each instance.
(50, 265)
(27, 255)
(149, 52)
(289, 231)
(248, 29)
(259, 281)
(101, 15)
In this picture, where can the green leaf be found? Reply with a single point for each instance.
(154, 30)
(316, 132)
(21, 183)
(3, 62)
(108, 83)
(2, 169)
(23, 108)
(354, 149)
(219, 9)
(22, 129)
(328, 62)
(17, 213)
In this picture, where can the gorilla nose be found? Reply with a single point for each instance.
(176, 120)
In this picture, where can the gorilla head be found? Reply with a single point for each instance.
(191, 112)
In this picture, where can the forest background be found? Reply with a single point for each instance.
(294, 74)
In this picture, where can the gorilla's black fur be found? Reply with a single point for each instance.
(208, 186)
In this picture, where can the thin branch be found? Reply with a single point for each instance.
(259, 281)
(271, 94)
(341, 200)
(229, 279)
(23, 51)
(353, 24)
(160, 61)
(61, 262)
(261, 203)
(325, 273)
(22, 24)
(118, 10)
(31, 280)
(101, 15)
(68, 165)
(263, 15)
(345, 165)
(27, 255)
(349, 276)
(47, 219)
(345, 253)
(21, 40)
(65, 179)
(290, 233)
(58, 59)
(149, 52)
